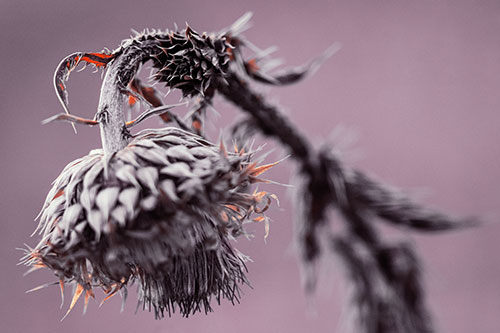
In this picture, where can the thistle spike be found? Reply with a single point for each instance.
(78, 292)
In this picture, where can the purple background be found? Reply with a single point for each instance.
(417, 81)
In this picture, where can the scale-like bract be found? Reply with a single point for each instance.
(160, 212)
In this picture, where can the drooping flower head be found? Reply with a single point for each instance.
(157, 208)
(159, 212)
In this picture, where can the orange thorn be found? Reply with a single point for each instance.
(233, 207)
(259, 195)
(259, 180)
(252, 66)
(111, 294)
(249, 168)
(88, 293)
(58, 194)
(263, 168)
(102, 55)
(132, 100)
(76, 296)
(259, 219)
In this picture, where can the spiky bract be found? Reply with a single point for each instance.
(160, 212)
(183, 59)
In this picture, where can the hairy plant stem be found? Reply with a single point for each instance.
(110, 115)
(269, 121)
(388, 294)
(114, 133)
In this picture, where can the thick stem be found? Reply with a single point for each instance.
(110, 114)
(114, 133)
(268, 119)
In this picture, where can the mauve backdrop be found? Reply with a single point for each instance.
(417, 81)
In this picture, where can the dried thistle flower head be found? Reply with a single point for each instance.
(159, 212)
(158, 208)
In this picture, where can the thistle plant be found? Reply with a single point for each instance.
(159, 208)
(160, 211)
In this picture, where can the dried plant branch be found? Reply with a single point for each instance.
(387, 284)
(387, 292)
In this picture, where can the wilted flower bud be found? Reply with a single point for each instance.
(160, 213)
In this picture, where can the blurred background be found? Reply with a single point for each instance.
(415, 81)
